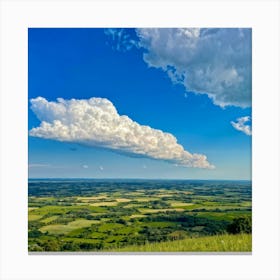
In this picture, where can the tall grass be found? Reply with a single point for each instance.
(217, 243)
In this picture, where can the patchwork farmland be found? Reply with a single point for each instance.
(130, 215)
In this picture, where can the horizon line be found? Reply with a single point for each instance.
(112, 178)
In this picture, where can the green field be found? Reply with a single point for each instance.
(217, 243)
(69, 227)
(102, 216)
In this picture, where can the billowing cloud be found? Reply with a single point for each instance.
(241, 126)
(214, 61)
(96, 122)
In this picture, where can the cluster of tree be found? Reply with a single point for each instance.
(240, 225)
(53, 245)
(34, 225)
(156, 204)
(184, 220)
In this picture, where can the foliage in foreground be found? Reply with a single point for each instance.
(218, 243)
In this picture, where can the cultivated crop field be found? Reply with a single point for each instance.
(117, 215)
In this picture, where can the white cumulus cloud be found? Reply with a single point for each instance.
(241, 126)
(214, 61)
(96, 122)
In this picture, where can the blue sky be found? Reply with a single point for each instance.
(193, 84)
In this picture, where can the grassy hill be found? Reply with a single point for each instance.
(217, 243)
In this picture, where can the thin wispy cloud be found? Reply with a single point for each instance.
(120, 40)
(96, 122)
(241, 125)
(48, 166)
(36, 165)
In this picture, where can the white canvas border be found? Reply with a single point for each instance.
(17, 16)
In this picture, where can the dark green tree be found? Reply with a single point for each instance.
(50, 245)
(240, 225)
(34, 233)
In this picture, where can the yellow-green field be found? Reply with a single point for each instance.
(63, 229)
(33, 217)
(218, 243)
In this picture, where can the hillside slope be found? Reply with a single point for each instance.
(217, 243)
